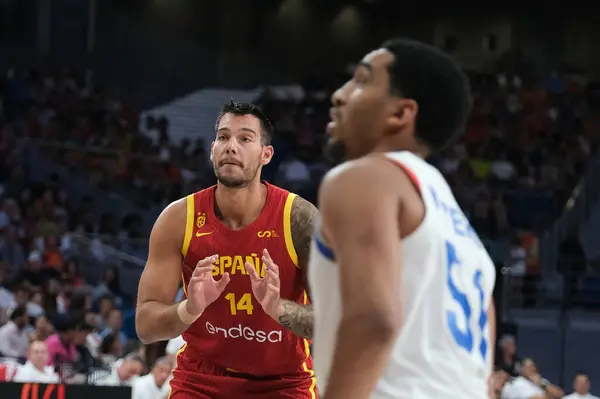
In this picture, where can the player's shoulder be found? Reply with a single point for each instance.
(369, 173)
(176, 206)
(173, 217)
(303, 208)
(184, 202)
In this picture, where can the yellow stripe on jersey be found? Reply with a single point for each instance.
(189, 224)
(179, 352)
(184, 286)
(189, 229)
(287, 228)
(311, 372)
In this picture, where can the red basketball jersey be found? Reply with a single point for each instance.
(234, 332)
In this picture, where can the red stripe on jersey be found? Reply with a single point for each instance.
(411, 175)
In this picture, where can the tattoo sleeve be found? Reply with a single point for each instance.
(303, 218)
(297, 317)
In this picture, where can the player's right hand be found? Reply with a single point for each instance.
(203, 289)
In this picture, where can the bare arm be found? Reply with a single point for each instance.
(156, 317)
(363, 229)
(554, 391)
(296, 317)
(491, 315)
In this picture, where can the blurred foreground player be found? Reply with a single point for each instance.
(401, 283)
(239, 245)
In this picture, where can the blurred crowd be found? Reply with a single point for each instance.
(56, 324)
(517, 378)
(526, 145)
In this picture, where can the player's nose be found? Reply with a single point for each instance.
(231, 147)
(337, 97)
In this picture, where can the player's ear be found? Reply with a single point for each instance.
(403, 112)
(212, 147)
(267, 154)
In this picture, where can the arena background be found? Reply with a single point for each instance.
(108, 110)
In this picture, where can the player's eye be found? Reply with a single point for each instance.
(360, 78)
(246, 139)
(220, 137)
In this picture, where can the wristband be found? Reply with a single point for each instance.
(185, 316)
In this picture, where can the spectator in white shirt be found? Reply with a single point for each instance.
(498, 380)
(502, 168)
(451, 162)
(36, 369)
(122, 371)
(14, 339)
(530, 385)
(173, 347)
(154, 385)
(111, 349)
(7, 301)
(581, 387)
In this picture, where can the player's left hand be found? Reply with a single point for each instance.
(266, 289)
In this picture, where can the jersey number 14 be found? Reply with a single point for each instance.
(466, 338)
(243, 304)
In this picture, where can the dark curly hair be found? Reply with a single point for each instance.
(437, 83)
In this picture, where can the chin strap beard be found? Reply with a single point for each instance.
(335, 152)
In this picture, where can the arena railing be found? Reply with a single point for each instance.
(95, 256)
(76, 381)
(576, 212)
(99, 150)
(134, 247)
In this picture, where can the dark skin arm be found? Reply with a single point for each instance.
(296, 317)
(365, 239)
(491, 313)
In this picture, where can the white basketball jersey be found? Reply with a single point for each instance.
(443, 349)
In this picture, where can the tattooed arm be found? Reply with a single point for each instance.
(296, 317)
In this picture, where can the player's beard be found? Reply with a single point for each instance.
(335, 151)
(248, 176)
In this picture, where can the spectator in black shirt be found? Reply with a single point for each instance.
(86, 361)
(32, 273)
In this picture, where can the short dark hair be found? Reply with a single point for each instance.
(65, 322)
(20, 288)
(83, 326)
(18, 312)
(439, 86)
(240, 109)
(107, 343)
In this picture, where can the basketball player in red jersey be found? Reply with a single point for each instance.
(240, 247)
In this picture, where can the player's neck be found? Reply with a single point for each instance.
(416, 148)
(239, 207)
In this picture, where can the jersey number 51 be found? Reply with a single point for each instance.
(467, 338)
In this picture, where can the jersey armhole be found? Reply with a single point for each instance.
(189, 225)
(417, 185)
(411, 175)
(287, 228)
(187, 238)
